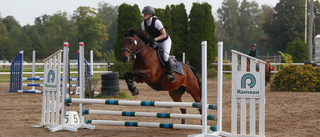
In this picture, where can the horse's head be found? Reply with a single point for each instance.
(129, 45)
(131, 41)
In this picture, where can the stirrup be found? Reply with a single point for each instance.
(171, 78)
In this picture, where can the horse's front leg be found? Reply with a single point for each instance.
(130, 77)
(138, 76)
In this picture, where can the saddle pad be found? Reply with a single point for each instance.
(177, 67)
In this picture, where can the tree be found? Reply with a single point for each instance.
(287, 24)
(298, 50)
(250, 27)
(228, 15)
(266, 21)
(4, 41)
(179, 30)
(128, 17)
(109, 16)
(91, 29)
(240, 25)
(59, 29)
(200, 14)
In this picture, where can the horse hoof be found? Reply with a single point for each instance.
(135, 92)
(183, 121)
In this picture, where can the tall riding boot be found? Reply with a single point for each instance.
(169, 67)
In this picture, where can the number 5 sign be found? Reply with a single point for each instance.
(71, 118)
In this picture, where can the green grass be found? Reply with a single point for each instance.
(123, 95)
(226, 77)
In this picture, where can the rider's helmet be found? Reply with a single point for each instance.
(254, 45)
(148, 10)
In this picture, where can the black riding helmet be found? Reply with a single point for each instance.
(148, 10)
(254, 45)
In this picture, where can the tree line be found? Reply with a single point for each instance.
(239, 24)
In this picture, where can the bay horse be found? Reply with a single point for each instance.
(147, 68)
(267, 70)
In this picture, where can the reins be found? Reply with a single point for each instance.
(134, 46)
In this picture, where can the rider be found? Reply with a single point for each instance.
(253, 52)
(153, 26)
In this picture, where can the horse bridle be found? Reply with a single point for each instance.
(135, 43)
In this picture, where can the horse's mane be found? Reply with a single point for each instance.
(138, 32)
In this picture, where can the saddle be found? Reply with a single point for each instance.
(177, 67)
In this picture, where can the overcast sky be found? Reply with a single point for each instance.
(25, 11)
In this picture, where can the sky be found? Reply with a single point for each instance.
(25, 11)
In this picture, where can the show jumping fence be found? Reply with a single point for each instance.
(16, 75)
(237, 97)
(244, 93)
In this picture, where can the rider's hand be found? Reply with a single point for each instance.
(152, 41)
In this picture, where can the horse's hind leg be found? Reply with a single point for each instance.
(176, 96)
(196, 95)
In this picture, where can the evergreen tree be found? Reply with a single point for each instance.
(201, 29)
(128, 17)
(180, 30)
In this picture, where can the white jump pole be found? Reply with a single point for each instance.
(204, 87)
(91, 62)
(33, 67)
(82, 87)
(219, 131)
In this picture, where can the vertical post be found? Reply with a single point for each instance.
(81, 78)
(234, 105)
(33, 67)
(310, 33)
(65, 78)
(219, 87)
(204, 87)
(82, 86)
(305, 20)
(91, 62)
(183, 57)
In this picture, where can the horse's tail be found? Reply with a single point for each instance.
(269, 73)
(199, 82)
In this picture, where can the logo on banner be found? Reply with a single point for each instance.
(51, 76)
(251, 79)
(248, 85)
(51, 80)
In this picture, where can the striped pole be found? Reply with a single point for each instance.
(41, 78)
(148, 124)
(146, 114)
(30, 91)
(140, 103)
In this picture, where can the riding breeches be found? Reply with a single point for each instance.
(166, 46)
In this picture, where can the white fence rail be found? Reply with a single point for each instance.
(276, 69)
(72, 65)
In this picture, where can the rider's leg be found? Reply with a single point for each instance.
(166, 46)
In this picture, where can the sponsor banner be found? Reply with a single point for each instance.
(248, 84)
(50, 81)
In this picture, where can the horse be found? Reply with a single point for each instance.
(147, 68)
(267, 70)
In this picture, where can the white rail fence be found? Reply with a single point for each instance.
(72, 65)
(276, 69)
